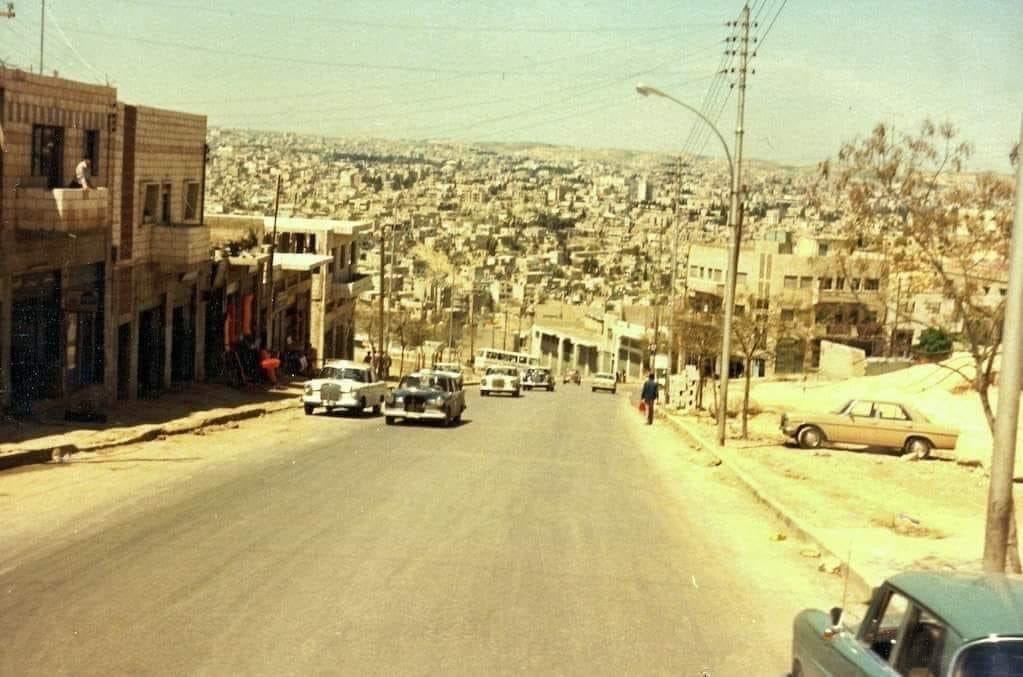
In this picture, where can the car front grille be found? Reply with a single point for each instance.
(414, 403)
(497, 383)
(330, 392)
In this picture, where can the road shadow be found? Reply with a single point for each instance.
(179, 401)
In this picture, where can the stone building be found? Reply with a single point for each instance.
(55, 250)
(100, 287)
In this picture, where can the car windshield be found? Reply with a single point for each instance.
(422, 382)
(501, 371)
(345, 373)
(1003, 658)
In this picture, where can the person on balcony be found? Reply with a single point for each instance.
(83, 170)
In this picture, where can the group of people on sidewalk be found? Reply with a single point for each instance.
(258, 363)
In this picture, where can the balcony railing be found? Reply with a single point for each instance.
(62, 210)
(180, 245)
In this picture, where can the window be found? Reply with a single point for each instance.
(90, 149)
(822, 248)
(740, 310)
(805, 282)
(890, 411)
(826, 283)
(191, 201)
(790, 281)
(694, 271)
(763, 304)
(883, 629)
(788, 315)
(872, 284)
(48, 154)
(923, 646)
(861, 408)
(854, 283)
(839, 283)
(150, 202)
(165, 203)
(716, 275)
(741, 278)
(355, 254)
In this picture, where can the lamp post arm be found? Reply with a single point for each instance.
(647, 90)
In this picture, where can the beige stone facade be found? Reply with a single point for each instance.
(101, 287)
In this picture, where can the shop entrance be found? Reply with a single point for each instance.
(35, 339)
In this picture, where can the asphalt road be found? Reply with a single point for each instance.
(553, 533)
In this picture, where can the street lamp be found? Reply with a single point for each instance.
(735, 230)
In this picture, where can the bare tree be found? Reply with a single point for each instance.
(943, 229)
(698, 334)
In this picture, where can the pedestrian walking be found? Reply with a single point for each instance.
(649, 396)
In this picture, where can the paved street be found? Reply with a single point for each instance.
(548, 534)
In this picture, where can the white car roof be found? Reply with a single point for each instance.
(345, 364)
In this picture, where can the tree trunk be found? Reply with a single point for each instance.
(745, 399)
(1012, 561)
(401, 363)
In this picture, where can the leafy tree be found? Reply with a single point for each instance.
(933, 341)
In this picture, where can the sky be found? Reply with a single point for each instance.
(559, 71)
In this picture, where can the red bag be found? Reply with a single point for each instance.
(642, 407)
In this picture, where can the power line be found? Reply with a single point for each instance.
(760, 43)
(452, 28)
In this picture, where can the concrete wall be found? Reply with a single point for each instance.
(840, 361)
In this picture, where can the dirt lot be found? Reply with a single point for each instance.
(890, 514)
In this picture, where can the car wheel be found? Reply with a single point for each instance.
(362, 405)
(614, 391)
(593, 390)
(810, 437)
(516, 393)
(919, 447)
(797, 669)
(389, 420)
(483, 393)
(309, 409)
(376, 409)
(330, 410)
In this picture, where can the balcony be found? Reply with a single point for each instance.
(62, 210)
(180, 246)
(355, 285)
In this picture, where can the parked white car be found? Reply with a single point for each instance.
(500, 380)
(343, 384)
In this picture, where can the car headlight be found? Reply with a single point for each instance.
(397, 399)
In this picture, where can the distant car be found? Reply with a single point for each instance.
(875, 423)
(919, 624)
(426, 395)
(572, 376)
(604, 381)
(343, 384)
(538, 377)
(500, 380)
(453, 369)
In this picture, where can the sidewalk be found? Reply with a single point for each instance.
(877, 513)
(178, 411)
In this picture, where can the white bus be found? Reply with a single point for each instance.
(492, 357)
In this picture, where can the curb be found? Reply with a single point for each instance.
(777, 508)
(46, 454)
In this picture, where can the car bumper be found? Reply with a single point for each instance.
(502, 389)
(347, 401)
(426, 414)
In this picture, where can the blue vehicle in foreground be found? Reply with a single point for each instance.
(920, 624)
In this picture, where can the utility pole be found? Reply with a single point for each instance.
(671, 284)
(273, 249)
(504, 341)
(1003, 455)
(472, 323)
(735, 213)
(380, 329)
(451, 315)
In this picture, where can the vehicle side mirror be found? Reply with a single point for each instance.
(835, 614)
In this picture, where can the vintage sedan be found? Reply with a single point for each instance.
(343, 384)
(604, 381)
(538, 377)
(919, 624)
(874, 423)
(500, 380)
(426, 395)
